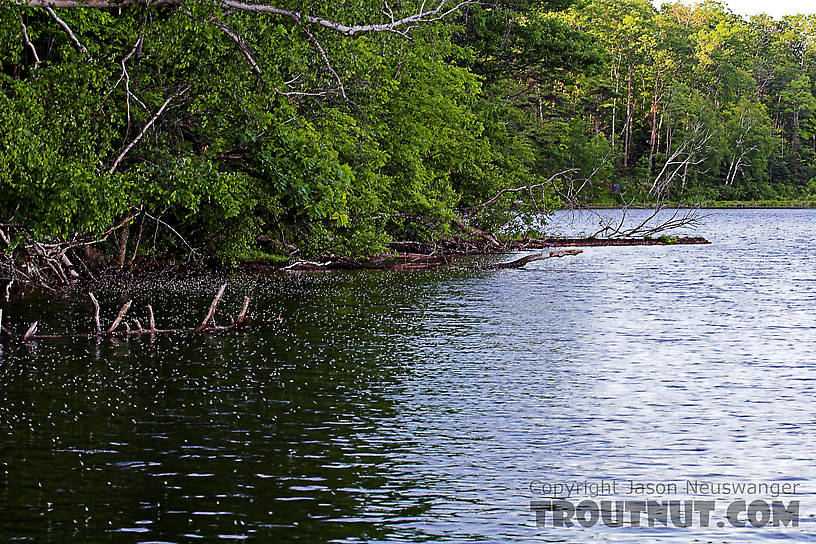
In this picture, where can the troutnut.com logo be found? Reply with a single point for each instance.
(608, 503)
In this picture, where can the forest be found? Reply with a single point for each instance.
(237, 131)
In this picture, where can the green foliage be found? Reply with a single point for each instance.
(392, 140)
(343, 144)
(690, 74)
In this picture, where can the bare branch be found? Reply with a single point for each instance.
(489, 238)
(151, 320)
(241, 315)
(689, 154)
(82, 49)
(239, 41)
(31, 333)
(525, 187)
(211, 313)
(144, 130)
(119, 317)
(32, 330)
(29, 44)
(96, 313)
(424, 15)
(401, 25)
(326, 61)
(174, 231)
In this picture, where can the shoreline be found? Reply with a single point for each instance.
(423, 256)
(725, 205)
(404, 256)
(407, 255)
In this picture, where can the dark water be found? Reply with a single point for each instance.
(413, 407)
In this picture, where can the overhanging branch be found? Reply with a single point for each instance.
(29, 44)
(325, 58)
(399, 25)
(144, 130)
(239, 41)
(82, 49)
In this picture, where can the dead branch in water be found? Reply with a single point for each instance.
(96, 313)
(32, 330)
(122, 313)
(52, 262)
(422, 261)
(520, 263)
(210, 317)
(207, 326)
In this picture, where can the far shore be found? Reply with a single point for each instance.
(716, 205)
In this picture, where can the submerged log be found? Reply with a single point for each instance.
(207, 326)
(417, 261)
(411, 255)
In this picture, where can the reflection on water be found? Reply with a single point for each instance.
(417, 407)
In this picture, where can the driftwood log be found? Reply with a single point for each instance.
(208, 325)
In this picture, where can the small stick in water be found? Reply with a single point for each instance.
(96, 314)
(242, 313)
(211, 313)
(209, 324)
(119, 317)
(32, 330)
(151, 321)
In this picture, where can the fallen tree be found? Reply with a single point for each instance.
(414, 261)
(468, 246)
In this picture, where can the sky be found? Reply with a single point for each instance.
(775, 8)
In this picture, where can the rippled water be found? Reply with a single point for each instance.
(413, 407)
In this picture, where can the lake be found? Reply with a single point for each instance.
(425, 406)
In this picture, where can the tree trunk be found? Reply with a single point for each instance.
(123, 242)
(795, 139)
(616, 81)
(627, 126)
(653, 139)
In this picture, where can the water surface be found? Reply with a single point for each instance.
(416, 407)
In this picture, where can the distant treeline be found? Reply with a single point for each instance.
(338, 127)
(729, 101)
